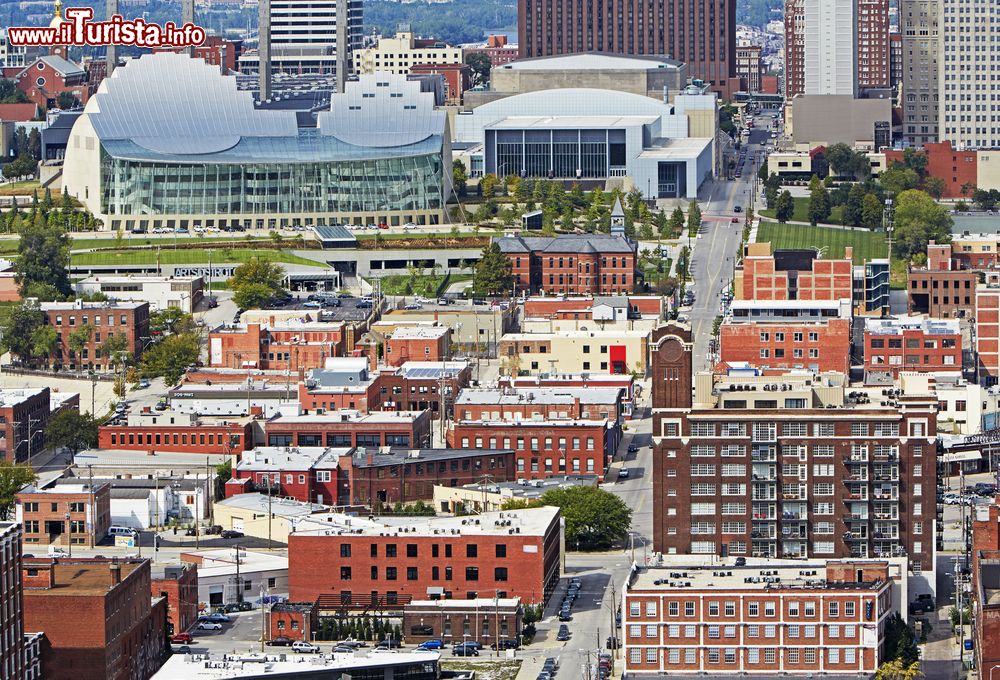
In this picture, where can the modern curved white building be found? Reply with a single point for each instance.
(168, 141)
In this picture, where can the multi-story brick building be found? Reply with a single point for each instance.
(539, 403)
(12, 656)
(178, 585)
(417, 385)
(795, 48)
(496, 49)
(99, 620)
(384, 563)
(872, 52)
(816, 344)
(543, 448)
(764, 618)
(625, 383)
(571, 264)
(749, 67)
(65, 515)
(286, 345)
(793, 275)
(178, 432)
(988, 330)
(794, 465)
(912, 344)
(294, 620)
(946, 287)
(99, 321)
(24, 414)
(480, 620)
(985, 570)
(956, 167)
(350, 428)
(615, 352)
(417, 343)
(968, 251)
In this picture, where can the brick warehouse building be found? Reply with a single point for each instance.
(822, 345)
(454, 621)
(417, 343)
(178, 585)
(384, 563)
(12, 661)
(351, 428)
(23, 412)
(293, 620)
(793, 275)
(988, 330)
(106, 319)
(67, 515)
(986, 586)
(943, 289)
(912, 344)
(571, 264)
(99, 620)
(283, 345)
(774, 619)
(796, 465)
(179, 433)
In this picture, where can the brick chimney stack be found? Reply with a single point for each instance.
(116, 573)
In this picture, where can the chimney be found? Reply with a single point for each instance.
(264, 48)
(576, 407)
(111, 58)
(116, 573)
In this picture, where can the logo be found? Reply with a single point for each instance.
(78, 29)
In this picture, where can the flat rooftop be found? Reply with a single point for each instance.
(528, 522)
(570, 122)
(137, 278)
(284, 665)
(539, 395)
(348, 416)
(279, 506)
(396, 456)
(751, 577)
(544, 422)
(180, 464)
(13, 397)
(419, 332)
(532, 488)
(79, 576)
(678, 149)
(291, 458)
(429, 369)
(70, 306)
(223, 561)
(926, 325)
(610, 335)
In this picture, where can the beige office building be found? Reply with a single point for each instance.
(400, 53)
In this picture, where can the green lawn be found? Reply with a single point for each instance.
(25, 189)
(801, 212)
(191, 256)
(867, 245)
(426, 286)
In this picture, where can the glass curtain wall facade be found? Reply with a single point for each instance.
(555, 153)
(410, 183)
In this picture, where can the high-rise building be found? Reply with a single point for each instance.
(749, 67)
(795, 48)
(830, 36)
(967, 79)
(701, 33)
(895, 59)
(11, 605)
(304, 35)
(873, 44)
(919, 22)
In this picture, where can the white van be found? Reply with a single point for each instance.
(121, 531)
(57, 551)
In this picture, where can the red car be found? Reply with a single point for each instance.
(182, 639)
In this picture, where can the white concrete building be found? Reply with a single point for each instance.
(259, 573)
(404, 50)
(161, 292)
(830, 45)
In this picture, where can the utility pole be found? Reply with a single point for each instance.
(197, 524)
(496, 609)
(264, 632)
(92, 515)
(239, 583)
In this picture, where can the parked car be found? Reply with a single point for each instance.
(506, 643)
(56, 551)
(563, 635)
(143, 384)
(986, 489)
(413, 305)
(209, 625)
(280, 641)
(623, 473)
(951, 499)
(464, 649)
(388, 644)
(353, 644)
(182, 639)
(216, 617)
(303, 647)
(431, 644)
(232, 533)
(633, 448)
(341, 649)
(183, 649)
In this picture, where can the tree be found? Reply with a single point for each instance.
(595, 519)
(493, 272)
(79, 339)
(854, 206)
(693, 218)
(13, 478)
(34, 151)
(819, 201)
(646, 231)
(488, 185)
(171, 357)
(661, 225)
(898, 178)
(918, 219)
(255, 282)
(916, 161)
(480, 65)
(459, 178)
(170, 320)
(67, 100)
(897, 670)
(985, 199)
(935, 186)
(70, 429)
(784, 207)
(871, 212)
(43, 258)
(847, 162)
(115, 348)
(771, 188)
(676, 221)
(9, 94)
(20, 167)
(968, 189)
(44, 342)
(19, 330)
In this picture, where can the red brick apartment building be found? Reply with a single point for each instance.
(385, 563)
(625, 383)
(480, 620)
(291, 346)
(178, 585)
(821, 345)
(511, 404)
(988, 330)
(872, 59)
(790, 465)
(908, 344)
(178, 433)
(543, 448)
(946, 287)
(802, 619)
(99, 620)
(105, 319)
(365, 476)
(986, 587)
(571, 264)
(417, 343)
(956, 167)
(496, 49)
(350, 428)
(12, 661)
(68, 515)
(23, 413)
(793, 275)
